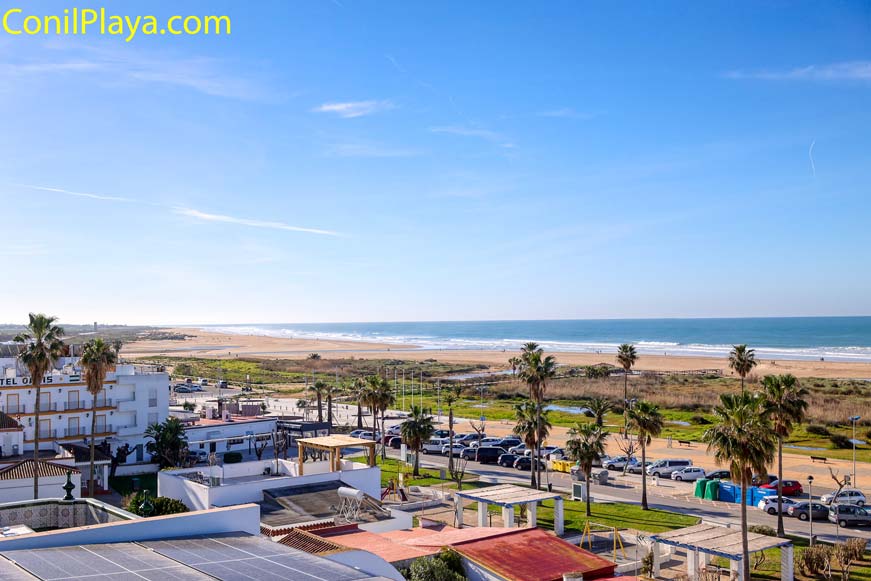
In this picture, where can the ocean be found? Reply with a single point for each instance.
(832, 338)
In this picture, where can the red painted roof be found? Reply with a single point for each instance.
(534, 555)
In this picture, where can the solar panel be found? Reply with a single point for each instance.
(235, 557)
(10, 572)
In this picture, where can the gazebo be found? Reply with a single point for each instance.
(334, 444)
(705, 540)
(508, 496)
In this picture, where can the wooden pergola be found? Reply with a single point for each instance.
(334, 444)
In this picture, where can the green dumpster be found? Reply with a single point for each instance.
(701, 485)
(712, 492)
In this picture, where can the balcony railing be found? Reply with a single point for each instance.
(48, 406)
(75, 405)
(46, 434)
(103, 430)
(14, 409)
(104, 402)
(79, 431)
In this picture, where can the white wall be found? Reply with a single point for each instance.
(367, 563)
(245, 518)
(476, 572)
(401, 520)
(49, 487)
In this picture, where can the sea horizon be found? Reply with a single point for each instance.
(837, 338)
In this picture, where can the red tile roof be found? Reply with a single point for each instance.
(24, 469)
(519, 556)
(310, 543)
(390, 551)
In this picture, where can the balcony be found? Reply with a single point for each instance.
(73, 432)
(47, 406)
(104, 402)
(104, 430)
(47, 434)
(75, 406)
(14, 409)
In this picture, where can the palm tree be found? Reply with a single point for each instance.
(169, 442)
(646, 419)
(514, 362)
(586, 446)
(39, 347)
(416, 430)
(117, 344)
(452, 394)
(530, 428)
(379, 397)
(786, 407)
(536, 369)
(329, 391)
(742, 360)
(626, 357)
(742, 438)
(319, 387)
(599, 406)
(358, 389)
(97, 357)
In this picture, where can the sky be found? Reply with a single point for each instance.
(351, 160)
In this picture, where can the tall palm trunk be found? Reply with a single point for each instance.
(359, 414)
(587, 475)
(37, 384)
(625, 403)
(416, 471)
(330, 409)
(643, 473)
(451, 440)
(383, 447)
(535, 460)
(780, 531)
(93, 431)
(745, 550)
(320, 407)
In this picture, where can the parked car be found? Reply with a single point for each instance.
(458, 448)
(769, 504)
(441, 433)
(558, 454)
(508, 443)
(433, 446)
(664, 468)
(204, 382)
(689, 473)
(483, 442)
(467, 438)
(520, 449)
(602, 461)
(182, 389)
(223, 384)
(507, 460)
(394, 430)
(195, 387)
(488, 454)
(468, 453)
(846, 496)
(395, 442)
(357, 433)
(543, 452)
(525, 463)
(801, 511)
(637, 468)
(367, 435)
(847, 515)
(618, 462)
(789, 487)
(198, 456)
(759, 480)
(719, 475)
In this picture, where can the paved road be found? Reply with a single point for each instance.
(673, 496)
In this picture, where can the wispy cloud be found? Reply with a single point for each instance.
(395, 63)
(207, 217)
(351, 109)
(475, 132)
(567, 113)
(845, 71)
(90, 196)
(189, 212)
(366, 149)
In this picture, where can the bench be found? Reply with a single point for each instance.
(820, 458)
(686, 443)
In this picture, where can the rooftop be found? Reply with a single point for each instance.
(507, 495)
(717, 540)
(292, 505)
(24, 469)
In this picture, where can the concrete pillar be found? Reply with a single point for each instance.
(786, 563)
(531, 514)
(508, 516)
(459, 502)
(657, 559)
(559, 521)
(482, 514)
(692, 564)
(704, 559)
(737, 570)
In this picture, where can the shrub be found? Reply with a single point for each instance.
(817, 430)
(452, 559)
(432, 569)
(162, 505)
(762, 530)
(840, 441)
(232, 457)
(699, 420)
(814, 561)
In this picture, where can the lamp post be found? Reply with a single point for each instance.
(854, 419)
(810, 507)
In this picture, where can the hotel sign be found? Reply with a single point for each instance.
(47, 380)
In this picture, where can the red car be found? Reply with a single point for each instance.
(790, 487)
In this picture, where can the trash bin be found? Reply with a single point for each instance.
(701, 486)
(712, 491)
(601, 477)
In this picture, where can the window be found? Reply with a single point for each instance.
(152, 418)
(152, 397)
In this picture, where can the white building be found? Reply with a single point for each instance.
(133, 398)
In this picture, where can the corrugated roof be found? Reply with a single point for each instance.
(717, 540)
(534, 555)
(309, 543)
(24, 469)
(507, 495)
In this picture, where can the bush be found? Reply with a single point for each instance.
(813, 561)
(699, 420)
(840, 441)
(762, 530)
(162, 505)
(232, 457)
(817, 430)
(453, 560)
(432, 569)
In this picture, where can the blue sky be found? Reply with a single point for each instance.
(369, 161)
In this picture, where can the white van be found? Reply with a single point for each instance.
(433, 445)
(664, 468)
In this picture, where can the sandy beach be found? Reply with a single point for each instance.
(222, 345)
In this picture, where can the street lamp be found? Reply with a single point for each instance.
(854, 419)
(810, 507)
